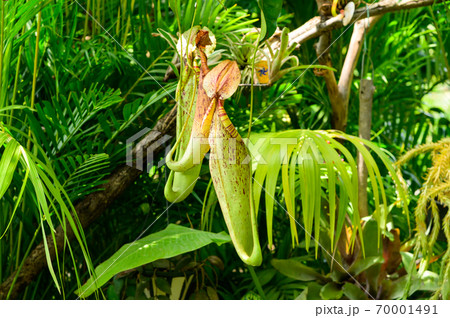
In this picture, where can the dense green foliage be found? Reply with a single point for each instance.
(78, 78)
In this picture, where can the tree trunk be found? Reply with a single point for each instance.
(365, 122)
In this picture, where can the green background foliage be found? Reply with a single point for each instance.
(78, 78)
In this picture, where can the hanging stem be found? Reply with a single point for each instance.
(256, 281)
(36, 56)
(205, 203)
(35, 71)
(252, 87)
(86, 19)
(16, 80)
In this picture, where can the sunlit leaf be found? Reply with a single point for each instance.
(172, 241)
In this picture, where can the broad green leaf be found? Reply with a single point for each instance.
(294, 269)
(408, 261)
(370, 233)
(270, 11)
(353, 292)
(363, 264)
(172, 241)
(313, 291)
(331, 291)
(428, 282)
(111, 294)
(265, 276)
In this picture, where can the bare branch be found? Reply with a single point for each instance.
(339, 93)
(314, 28)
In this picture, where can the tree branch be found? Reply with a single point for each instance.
(315, 28)
(339, 93)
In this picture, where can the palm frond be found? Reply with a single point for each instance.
(51, 200)
(314, 164)
(84, 174)
(59, 123)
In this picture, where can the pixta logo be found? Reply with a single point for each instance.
(136, 155)
(261, 151)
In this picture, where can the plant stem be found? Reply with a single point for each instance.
(36, 56)
(97, 27)
(19, 242)
(256, 281)
(205, 203)
(23, 261)
(251, 87)
(86, 19)
(35, 71)
(128, 25)
(16, 80)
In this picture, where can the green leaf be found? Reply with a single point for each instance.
(317, 156)
(370, 233)
(331, 291)
(86, 176)
(313, 291)
(111, 294)
(266, 276)
(363, 264)
(270, 11)
(212, 293)
(408, 263)
(168, 37)
(446, 288)
(294, 269)
(8, 164)
(353, 292)
(163, 285)
(172, 241)
(303, 295)
(428, 282)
